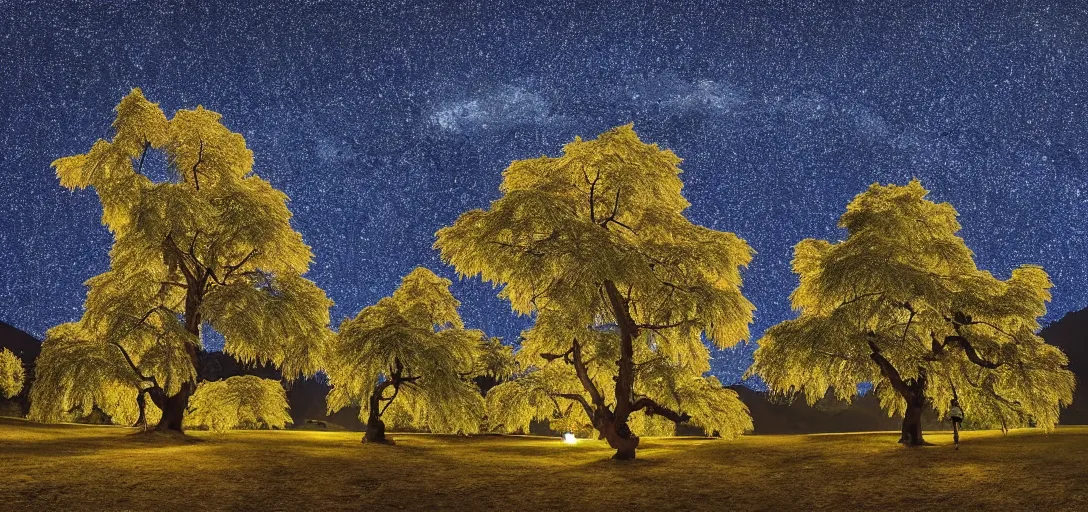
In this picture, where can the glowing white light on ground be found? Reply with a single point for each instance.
(569, 438)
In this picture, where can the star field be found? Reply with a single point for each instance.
(384, 121)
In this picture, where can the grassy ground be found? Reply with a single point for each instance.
(70, 467)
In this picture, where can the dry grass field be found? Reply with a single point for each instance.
(76, 467)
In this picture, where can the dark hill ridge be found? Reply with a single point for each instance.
(1071, 335)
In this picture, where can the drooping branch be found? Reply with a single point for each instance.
(657, 327)
(135, 369)
(231, 268)
(580, 399)
(147, 145)
(859, 297)
(988, 386)
(199, 158)
(653, 408)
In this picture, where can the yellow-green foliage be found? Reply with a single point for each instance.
(244, 401)
(76, 372)
(906, 281)
(415, 334)
(496, 360)
(514, 404)
(12, 374)
(608, 210)
(211, 245)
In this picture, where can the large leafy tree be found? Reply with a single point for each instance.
(411, 352)
(901, 303)
(12, 374)
(624, 288)
(211, 245)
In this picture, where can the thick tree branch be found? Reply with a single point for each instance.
(190, 277)
(653, 408)
(968, 350)
(389, 401)
(583, 376)
(628, 332)
(888, 370)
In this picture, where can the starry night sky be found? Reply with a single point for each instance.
(383, 121)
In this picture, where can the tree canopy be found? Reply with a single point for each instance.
(411, 352)
(12, 374)
(623, 287)
(243, 401)
(212, 245)
(901, 303)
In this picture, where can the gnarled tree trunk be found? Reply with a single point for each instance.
(912, 421)
(912, 390)
(375, 427)
(619, 437)
(615, 429)
(141, 402)
(174, 407)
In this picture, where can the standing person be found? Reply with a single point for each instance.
(956, 413)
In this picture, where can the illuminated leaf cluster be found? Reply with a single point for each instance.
(244, 401)
(12, 374)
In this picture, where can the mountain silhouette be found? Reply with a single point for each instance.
(1071, 335)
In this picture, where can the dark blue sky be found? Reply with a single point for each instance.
(383, 121)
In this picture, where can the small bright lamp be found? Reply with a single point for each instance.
(569, 438)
